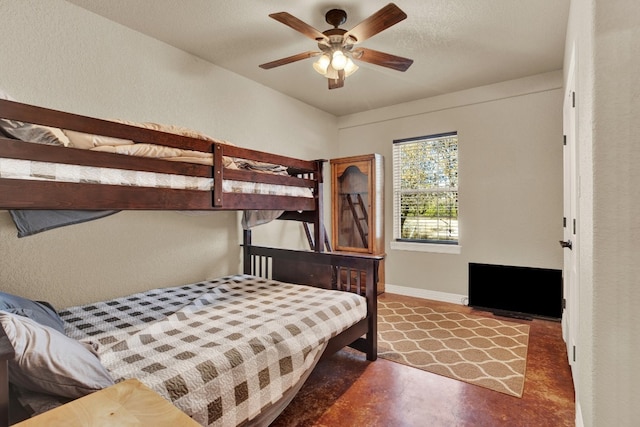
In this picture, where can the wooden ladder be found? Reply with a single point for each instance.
(327, 244)
(360, 215)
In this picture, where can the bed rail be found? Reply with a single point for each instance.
(41, 194)
(7, 353)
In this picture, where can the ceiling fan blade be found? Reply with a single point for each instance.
(337, 83)
(383, 59)
(381, 20)
(289, 59)
(300, 26)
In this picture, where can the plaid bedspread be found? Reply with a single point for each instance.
(220, 350)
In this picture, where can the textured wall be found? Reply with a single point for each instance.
(510, 176)
(604, 36)
(616, 189)
(60, 56)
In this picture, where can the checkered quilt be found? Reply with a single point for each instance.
(220, 350)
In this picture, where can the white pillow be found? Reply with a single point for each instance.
(48, 361)
(5, 95)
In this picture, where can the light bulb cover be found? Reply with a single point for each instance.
(339, 60)
(322, 64)
(350, 68)
(332, 73)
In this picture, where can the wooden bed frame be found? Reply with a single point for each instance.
(25, 194)
(323, 269)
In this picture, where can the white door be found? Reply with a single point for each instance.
(570, 237)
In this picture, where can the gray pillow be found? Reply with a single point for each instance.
(31, 132)
(40, 311)
(47, 361)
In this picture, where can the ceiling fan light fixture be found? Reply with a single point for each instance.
(336, 45)
(339, 60)
(322, 64)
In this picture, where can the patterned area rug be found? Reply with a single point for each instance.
(483, 351)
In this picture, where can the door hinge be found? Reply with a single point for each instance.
(564, 139)
(573, 99)
(564, 222)
(574, 353)
(564, 303)
(574, 226)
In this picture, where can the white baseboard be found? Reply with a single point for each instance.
(426, 294)
(579, 420)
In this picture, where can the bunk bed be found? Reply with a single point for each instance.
(320, 285)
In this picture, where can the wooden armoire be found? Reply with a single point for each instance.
(357, 206)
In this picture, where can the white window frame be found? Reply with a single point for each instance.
(423, 245)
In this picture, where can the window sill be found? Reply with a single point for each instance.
(426, 247)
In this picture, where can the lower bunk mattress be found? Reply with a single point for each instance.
(225, 351)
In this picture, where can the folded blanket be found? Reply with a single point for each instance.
(30, 222)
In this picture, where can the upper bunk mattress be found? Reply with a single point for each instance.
(220, 350)
(47, 171)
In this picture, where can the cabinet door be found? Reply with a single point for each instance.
(352, 211)
(357, 195)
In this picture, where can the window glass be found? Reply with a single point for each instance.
(425, 189)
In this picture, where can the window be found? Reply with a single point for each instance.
(425, 189)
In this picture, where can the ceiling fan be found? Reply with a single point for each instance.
(337, 46)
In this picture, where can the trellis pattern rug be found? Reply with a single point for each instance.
(483, 351)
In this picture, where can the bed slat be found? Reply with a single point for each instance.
(44, 116)
(13, 149)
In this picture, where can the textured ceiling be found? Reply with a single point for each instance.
(455, 44)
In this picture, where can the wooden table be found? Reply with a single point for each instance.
(128, 403)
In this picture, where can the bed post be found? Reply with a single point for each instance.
(246, 251)
(6, 353)
(318, 223)
(218, 174)
(371, 283)
(4, 393)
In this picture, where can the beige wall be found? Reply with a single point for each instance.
(510, 176)
(605, 37)
(510, 157)
(57, 55)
